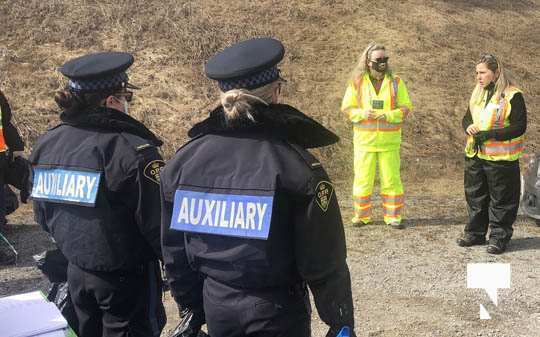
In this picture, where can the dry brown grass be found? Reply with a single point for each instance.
(432, 44)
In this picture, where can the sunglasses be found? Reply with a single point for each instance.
(380, 60)
(127, 95)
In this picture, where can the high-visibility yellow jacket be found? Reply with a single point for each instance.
(383, 134)
(495, 114)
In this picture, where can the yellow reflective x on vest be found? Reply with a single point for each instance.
(495, 114)
(382, 134)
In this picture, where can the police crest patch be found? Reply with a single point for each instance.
(153, 169)
(323, 194)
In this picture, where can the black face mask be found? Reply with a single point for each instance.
(380, 64)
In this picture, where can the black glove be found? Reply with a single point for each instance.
(189, 325)
(333, 332)
(480, 138)
(333, 299)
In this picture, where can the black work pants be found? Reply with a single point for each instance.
(232, 312)
(492, 192)
(118, 303)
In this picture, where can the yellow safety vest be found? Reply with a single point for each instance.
(495, 115)
(377, 135)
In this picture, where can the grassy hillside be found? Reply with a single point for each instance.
(432, 44)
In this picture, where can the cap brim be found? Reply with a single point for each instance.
(132, 86)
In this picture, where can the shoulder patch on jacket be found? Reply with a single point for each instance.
(152, 170)
(138, 143)
(308, 158)
(143, 146)
(323, 194)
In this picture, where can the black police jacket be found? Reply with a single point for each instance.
(295, 233)
(11, 135)
(122, 225)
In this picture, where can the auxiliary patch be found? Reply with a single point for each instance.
(245, 216)
(66, 186)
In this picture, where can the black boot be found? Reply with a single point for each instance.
(468, 240)
(496, 246)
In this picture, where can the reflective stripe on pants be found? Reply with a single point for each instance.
(391, 186)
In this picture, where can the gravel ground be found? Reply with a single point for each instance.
(409, 282)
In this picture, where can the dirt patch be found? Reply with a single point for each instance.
(409, 283)
(432, 45)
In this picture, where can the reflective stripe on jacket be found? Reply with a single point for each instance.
(392, 101)
(495, 114)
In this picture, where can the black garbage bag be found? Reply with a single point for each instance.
(59, 295)
(179, 331)
(185, 327)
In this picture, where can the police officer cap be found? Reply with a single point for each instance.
(98, 72)
(248, 64)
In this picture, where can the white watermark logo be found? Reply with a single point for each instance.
(490, 277)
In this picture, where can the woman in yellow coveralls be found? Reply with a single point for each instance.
(377, 102)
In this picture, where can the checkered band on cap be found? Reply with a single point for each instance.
(252, 81)
(98, 84)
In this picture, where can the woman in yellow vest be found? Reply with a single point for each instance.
(495, 123)
(376, 102)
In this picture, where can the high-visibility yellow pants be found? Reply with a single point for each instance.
(391, 187)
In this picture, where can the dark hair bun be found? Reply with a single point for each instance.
(64, 99)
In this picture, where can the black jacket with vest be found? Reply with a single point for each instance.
(13, 140)
(95, 189)
(247, 205)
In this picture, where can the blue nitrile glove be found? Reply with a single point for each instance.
(344, 331)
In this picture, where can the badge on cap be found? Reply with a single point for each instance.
(153, 169)
(324, 192)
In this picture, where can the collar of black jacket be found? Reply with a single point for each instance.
(280, 120)
(103, 118)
